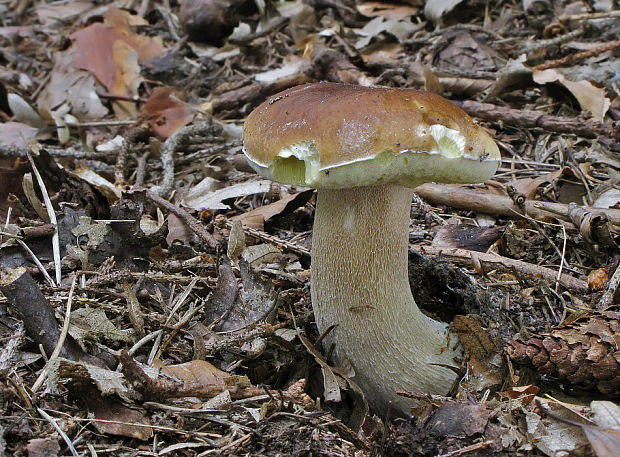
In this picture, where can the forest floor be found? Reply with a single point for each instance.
(155, 291)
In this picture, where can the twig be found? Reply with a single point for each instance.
(572, 58)
(612, 288)
(544, 44)
(193, 224)
(173, 143)
(557, 281)
(468, 449)
(21, 151)
(51, 214)
(141, 169)
(263, 236)
(464, 257)
(500, 205)
(64, 436)
(61, 339)
(532, 119)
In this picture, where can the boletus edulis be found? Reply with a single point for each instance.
(364, 149)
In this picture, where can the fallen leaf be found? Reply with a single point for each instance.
(525, 393)
(92, 325)
(387, 10)
(76, 375)
(116, 418)
(606, 443)
(16, 134)
(285, 205)
(72, 87)
(43, 447)
(606, 414)
(589, 96)
(331, 386)
(434, 10)
(166, 112)
(197, 199)
(23, 112)
(112, 52)
(108, 189)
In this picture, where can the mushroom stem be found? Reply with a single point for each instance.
(360, 283)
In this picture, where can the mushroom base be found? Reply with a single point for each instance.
(360, 284)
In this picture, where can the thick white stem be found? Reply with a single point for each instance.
(360, 283)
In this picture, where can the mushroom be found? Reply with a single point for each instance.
(364, 149)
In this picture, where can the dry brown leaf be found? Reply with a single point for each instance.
(387, 10)
(264, 213)
(71, 87)
(525, 393)
(606, 443)
(434, 10)
(529, 186)
(589, 96)
(198, 198)
(111, 52)
(43, 447)
(116, 418)
(166, 112)
(197, 375)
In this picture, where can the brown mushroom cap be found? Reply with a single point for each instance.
(341, 135)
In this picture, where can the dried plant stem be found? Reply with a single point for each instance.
(51, 214)
(64, 436)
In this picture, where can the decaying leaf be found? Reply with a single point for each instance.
(70, 86)
(166, 111)
(551, 436)
(91, 324)
(76, 375)
(111, 51)
(114, 418)
(589, 96)
(387, 10)
(256, 217)
(197, 378)
(43, 447)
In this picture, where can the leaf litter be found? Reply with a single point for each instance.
(172, 337)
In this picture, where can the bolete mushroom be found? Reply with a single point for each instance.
(364, 149)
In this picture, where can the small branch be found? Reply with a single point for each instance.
(173, 143)
(609, 296)
(28, 302)
(468, 449)
(576, 57)
(51, 214)
(193, 224)
(64, 436)
(493, 261)
(532, 119)
(255, 92)
(500, 205)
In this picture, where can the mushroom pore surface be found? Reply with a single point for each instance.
(362, 148)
